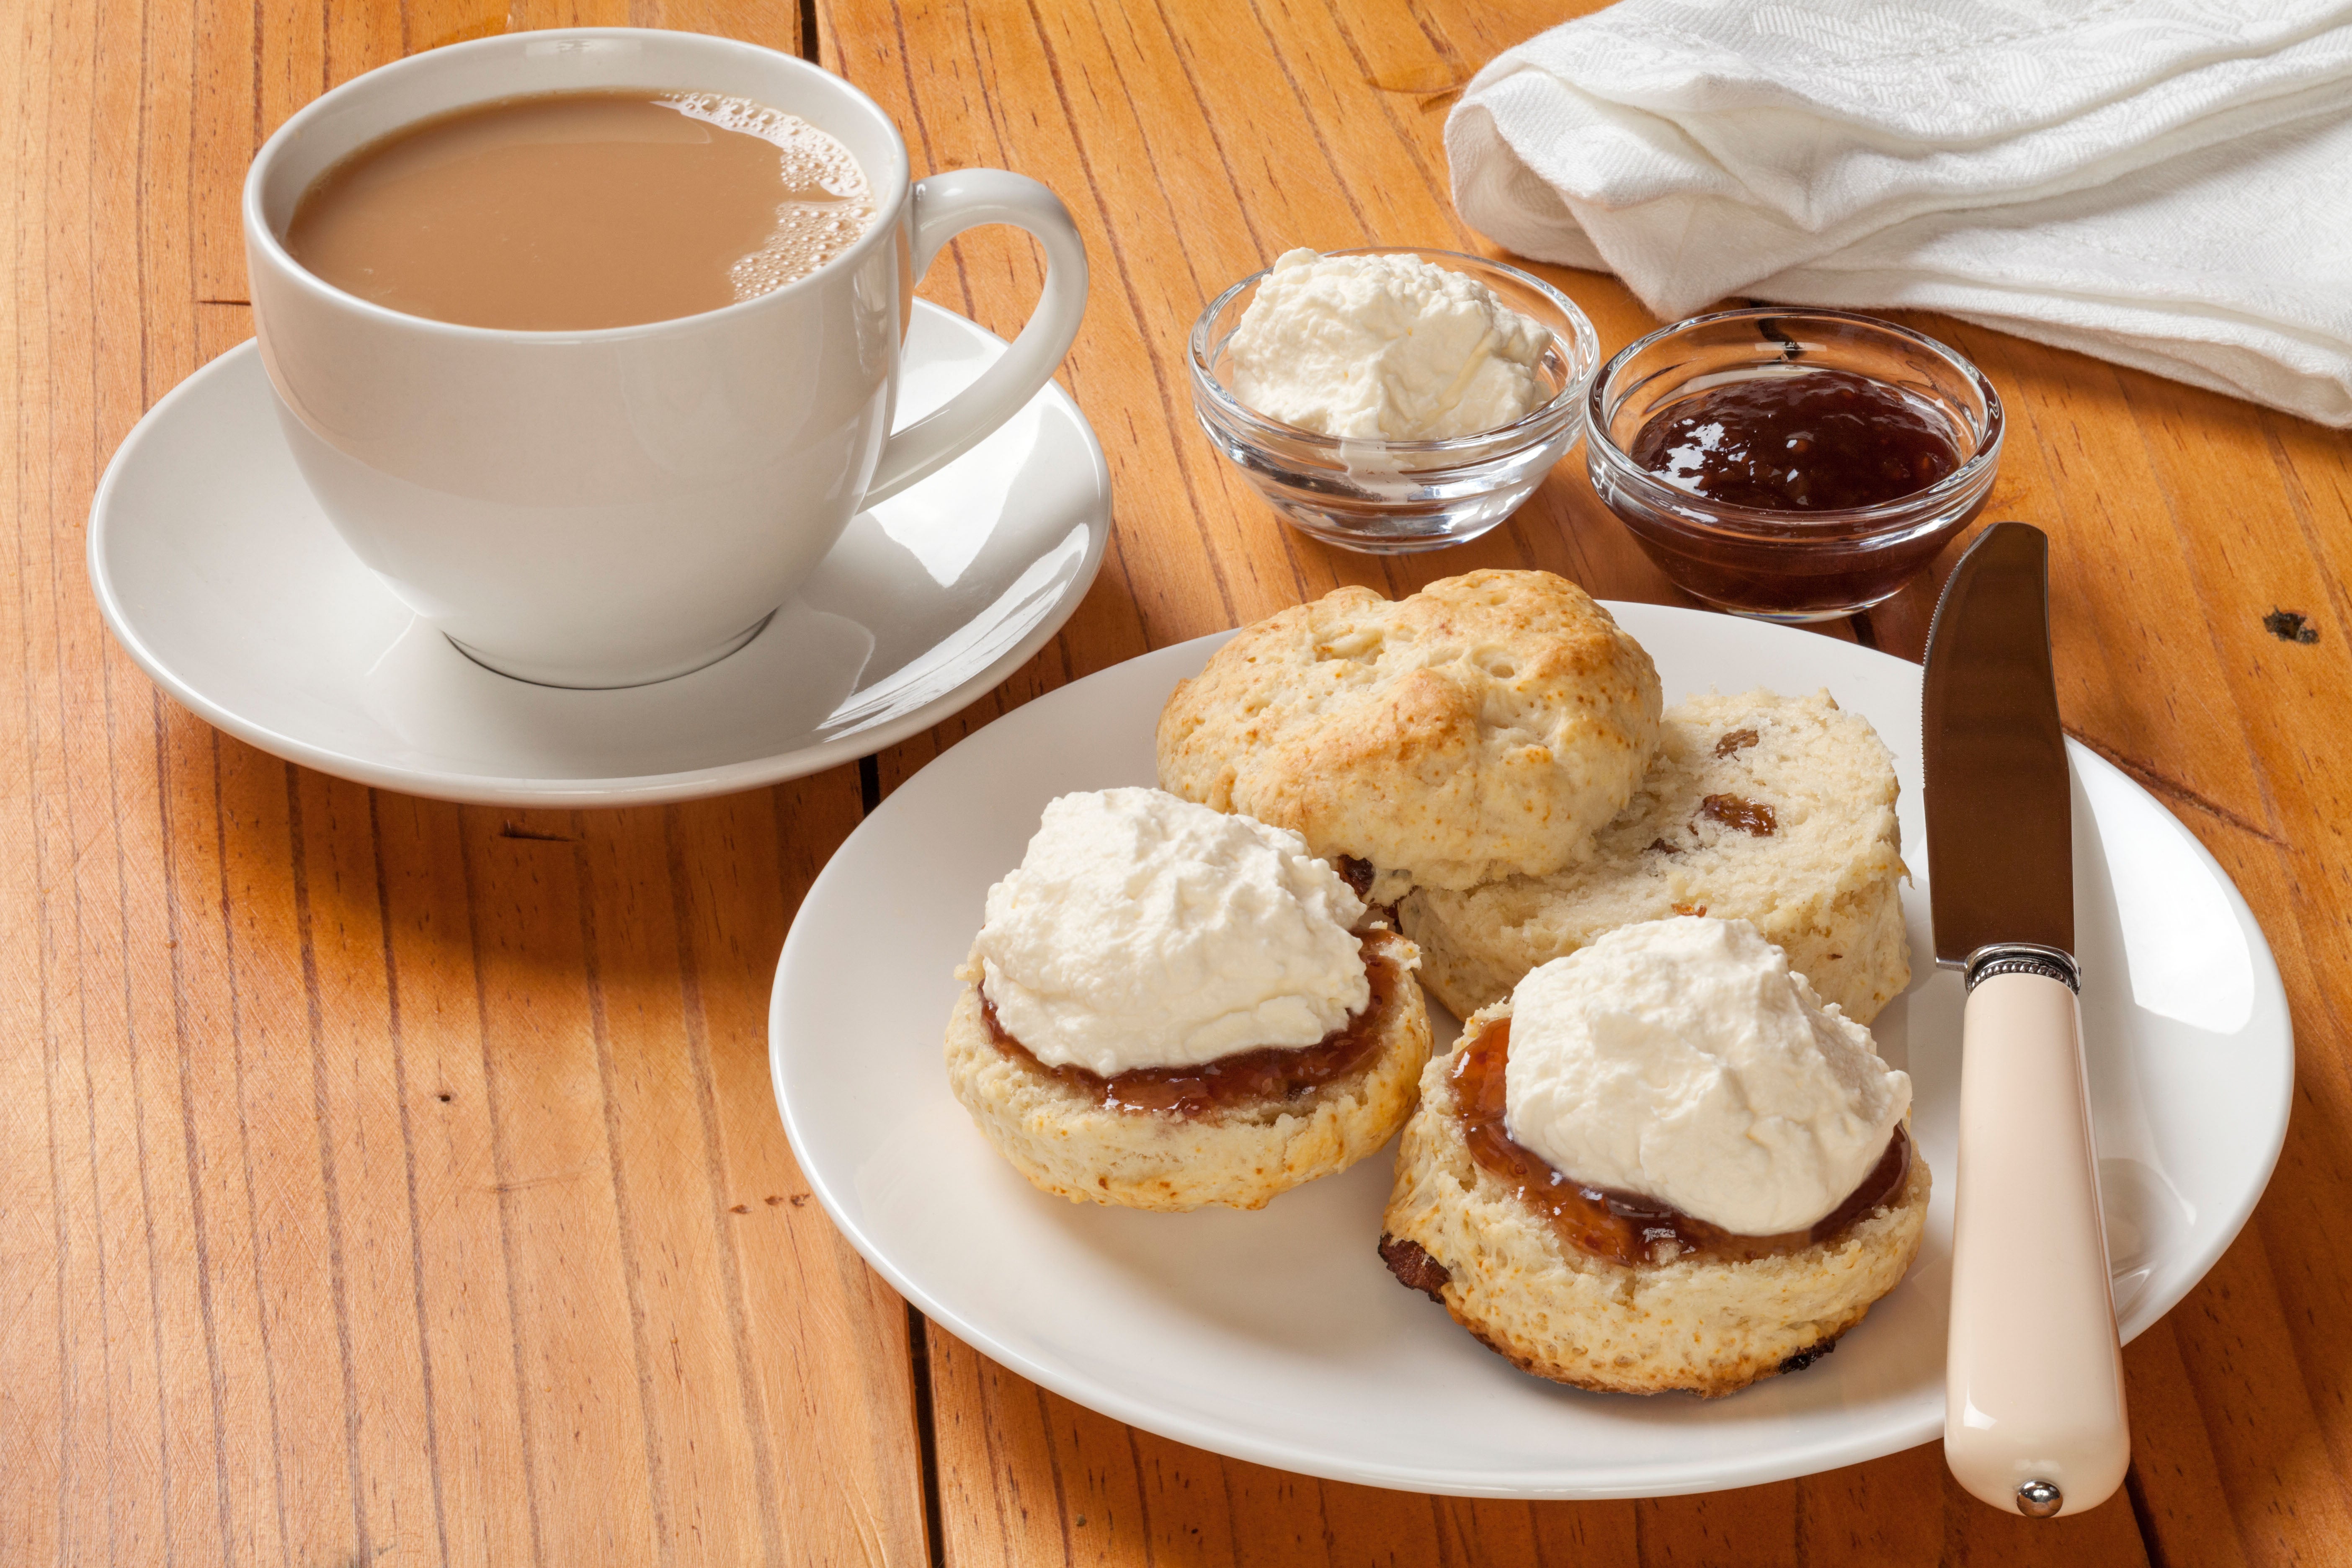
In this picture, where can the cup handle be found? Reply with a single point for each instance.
(942, 207)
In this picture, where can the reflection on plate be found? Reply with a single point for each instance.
(1278, 1337)
(217, 573)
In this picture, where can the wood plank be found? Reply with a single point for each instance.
(383, 1181)
(2250, 1337)
(463, 1305)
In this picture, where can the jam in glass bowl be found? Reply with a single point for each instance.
(1792, 464)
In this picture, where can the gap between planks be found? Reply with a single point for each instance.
(918, 1328)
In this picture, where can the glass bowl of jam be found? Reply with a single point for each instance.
(1790, 464)
(1385, 497)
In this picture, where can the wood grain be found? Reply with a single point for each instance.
(383, 1181)
(387, 1181)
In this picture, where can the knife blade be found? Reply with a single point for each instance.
(2000, 850)
(2033, 1416)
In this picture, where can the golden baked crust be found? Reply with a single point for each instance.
(1823, 887)
(1068, 1145)
(1484, 726)
(1710, 1328)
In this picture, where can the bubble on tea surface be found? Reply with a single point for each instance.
(828, 205)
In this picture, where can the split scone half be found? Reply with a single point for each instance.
(1168, 1006)
(1237, 1132)
(1775, 810)
(1621, 1294)
(1484, 726)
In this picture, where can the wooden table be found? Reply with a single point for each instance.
(388, 1181)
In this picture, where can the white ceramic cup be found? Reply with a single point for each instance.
(615, 507)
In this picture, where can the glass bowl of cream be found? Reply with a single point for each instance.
(1392, 399)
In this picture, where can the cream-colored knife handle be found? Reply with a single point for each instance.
(2033, 1418)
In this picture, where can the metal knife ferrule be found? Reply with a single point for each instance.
(2020, 958)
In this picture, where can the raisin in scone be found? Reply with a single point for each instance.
(1593, 1204)
(1483, 727)
(1169, 1008)
(1775, 810)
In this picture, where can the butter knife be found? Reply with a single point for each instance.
(2033, 1415)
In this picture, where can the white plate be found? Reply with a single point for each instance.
(218, 573)
(1278, 1336)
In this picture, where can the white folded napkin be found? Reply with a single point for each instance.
(2163, 183)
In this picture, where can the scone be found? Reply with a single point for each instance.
(1594, 1287)
(1174, 1141)
(1775, 810)
(1484, 726)
(1168, 1006)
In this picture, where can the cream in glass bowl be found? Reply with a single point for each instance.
(1392, 399)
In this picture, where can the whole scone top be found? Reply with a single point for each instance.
(1484, 727)
(1140, 930)
(1682, 1060)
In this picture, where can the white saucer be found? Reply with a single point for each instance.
(218, 573)
(1277, 1336)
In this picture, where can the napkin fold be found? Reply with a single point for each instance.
(2162, 183)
